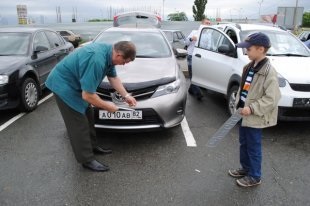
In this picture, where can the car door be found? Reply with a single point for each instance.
(57, 45)
(211, 68)
(43, 61)
(179, 40)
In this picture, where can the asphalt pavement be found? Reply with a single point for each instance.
(158, 168)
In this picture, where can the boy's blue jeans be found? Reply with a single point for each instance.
(251, 150)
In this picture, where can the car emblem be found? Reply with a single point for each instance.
(117, 97)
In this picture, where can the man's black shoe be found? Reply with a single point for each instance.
(99, 150)
(96, 166)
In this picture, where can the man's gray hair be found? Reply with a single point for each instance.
(127, 48)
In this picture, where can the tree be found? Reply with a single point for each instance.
(306, 19)
(179, 16)
(199, 9)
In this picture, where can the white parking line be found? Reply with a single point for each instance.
(190, 140)
(13, 119)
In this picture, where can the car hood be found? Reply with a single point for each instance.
(9, 63)
(144, 72)
(294, 69)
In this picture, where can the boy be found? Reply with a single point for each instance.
(257, 101)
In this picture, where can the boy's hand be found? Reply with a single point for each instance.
(246, 111)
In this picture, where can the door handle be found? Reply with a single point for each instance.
(198, 55)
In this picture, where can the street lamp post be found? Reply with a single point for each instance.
(163, 10)
(260, 5)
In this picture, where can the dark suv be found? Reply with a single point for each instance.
(27, 55)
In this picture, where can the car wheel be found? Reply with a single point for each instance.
(29, 95)
(231, 99)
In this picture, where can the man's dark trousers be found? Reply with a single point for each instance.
(80, 130)
(194, 89)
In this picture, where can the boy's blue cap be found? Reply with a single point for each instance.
(256, 39)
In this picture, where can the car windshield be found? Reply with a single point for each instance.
(282, 44)
(14, 43)
(148, 44)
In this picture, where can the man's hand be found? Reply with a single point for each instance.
(194, 38)
(246, 111)
(111, 107)
(131, 101)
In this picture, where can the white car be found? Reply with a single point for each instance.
(218, 65)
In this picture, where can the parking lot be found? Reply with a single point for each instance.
(38, 166)
(172, 167)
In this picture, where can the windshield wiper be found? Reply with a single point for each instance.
(288, 55)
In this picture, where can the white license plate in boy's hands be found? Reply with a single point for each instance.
(136, 114)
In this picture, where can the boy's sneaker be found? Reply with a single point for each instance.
(248, 181)
(237, 173)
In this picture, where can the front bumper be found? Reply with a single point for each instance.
(294, 105)
(158, 113)
(8, 100)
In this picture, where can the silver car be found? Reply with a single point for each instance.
(154, 79)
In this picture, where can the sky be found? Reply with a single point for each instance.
(44, 11)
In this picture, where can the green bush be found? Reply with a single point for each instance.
(306, 19)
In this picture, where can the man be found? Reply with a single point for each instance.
(190, 43)
(74, 82)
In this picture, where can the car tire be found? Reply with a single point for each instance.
(231, 99)
(29, 95)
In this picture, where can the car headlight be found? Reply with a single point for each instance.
(4, 79)
(168, 88)
(282, 81)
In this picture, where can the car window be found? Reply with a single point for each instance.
(148, 44)
(282, 43)
(175, 36)
(40, 40)
(64, 33)
(54, 39)
(169, 35)
(179, 35)
(136, 19)
(209, 39)
(14, 43)
(232, 35)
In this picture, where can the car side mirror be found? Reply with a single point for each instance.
(40, 49)
(180, 52)
(226, 50)
(37, 50)
(303, 39)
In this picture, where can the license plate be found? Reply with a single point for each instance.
(136, 114)
(301, 102)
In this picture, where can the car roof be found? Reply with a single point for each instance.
(22, 29)
(128, 28)
(171, 30)
(247, 27)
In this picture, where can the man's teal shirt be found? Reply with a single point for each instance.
(82, 70)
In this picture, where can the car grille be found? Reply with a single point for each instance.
(149, 116)
(140, 90)
(138, 94)
(295, 114)
(301, 87)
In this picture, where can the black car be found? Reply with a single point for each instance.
(27, 55)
